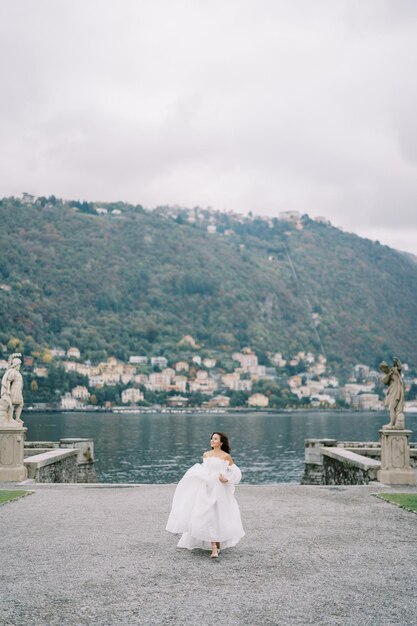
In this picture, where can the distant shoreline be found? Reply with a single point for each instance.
(193, 411)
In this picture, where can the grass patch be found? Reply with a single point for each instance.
(406, 501)
(6, 495)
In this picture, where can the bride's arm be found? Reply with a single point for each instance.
(232, 474)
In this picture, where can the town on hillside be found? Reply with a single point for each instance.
(62, 380)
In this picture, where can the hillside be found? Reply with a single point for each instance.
(133, 281)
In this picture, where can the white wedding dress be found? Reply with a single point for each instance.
(205, 509)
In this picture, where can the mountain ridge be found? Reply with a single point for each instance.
(130, 281)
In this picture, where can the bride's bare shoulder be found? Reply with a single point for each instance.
(208, 453)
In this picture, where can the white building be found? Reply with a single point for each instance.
(322, 399)
(182, 366)
(180, 384)
(138, 360)
(277, 360)
(366, 401)
(258, 400)
(80, 392)
(73, 353)
(132, 396)
(68, 403)
(70, 366)
(127, 378)
(160, 361)
(58, 352)
(141, 379)
(96, 381)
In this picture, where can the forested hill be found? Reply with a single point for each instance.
(135, 282)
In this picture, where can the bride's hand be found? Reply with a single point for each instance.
(223, 479)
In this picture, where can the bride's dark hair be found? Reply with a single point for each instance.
(224, 441)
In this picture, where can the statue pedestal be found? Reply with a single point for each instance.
(395, 458)
(12, 438)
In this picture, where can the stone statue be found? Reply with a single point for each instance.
(395, 394)
(11, 396)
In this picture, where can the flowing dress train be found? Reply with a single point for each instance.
(205, 509)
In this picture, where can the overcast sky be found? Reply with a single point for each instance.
(249, 105)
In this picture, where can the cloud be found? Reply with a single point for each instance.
(244, 105)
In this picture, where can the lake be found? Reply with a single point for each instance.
(159, 448)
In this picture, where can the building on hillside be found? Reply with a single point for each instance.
(207, 386)
(83, 369)
(218, 402)
(366, 401)
(141, 379)
(248, 361)
(317, 369)
(350, 390)
(27, 198)
(188, 340)
(73, 353)
(138, 360)
(322, 399)
(69, 366)
(158, 382)
(131, 395)
(96, 380)
(258, 400)
(277, 360)
(241, 385)
(196, 359)
(169, 371)
(181, 366)
(159, 361)
(127, 378)
(58, 353)
(229, 379)
(80, 392)
(177, 401)
(111, 378)
(69, 403)
(209, 363)
(179, 384)
(361, 371)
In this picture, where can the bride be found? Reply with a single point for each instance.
(204, 508)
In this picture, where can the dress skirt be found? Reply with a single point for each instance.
(204, 509)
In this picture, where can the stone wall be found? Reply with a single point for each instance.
(82, 451)
(313, 467)
(343, 467)
(327, 464)
(53, 466)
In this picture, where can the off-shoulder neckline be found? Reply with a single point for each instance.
(219, 458)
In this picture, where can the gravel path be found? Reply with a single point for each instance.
(99, 555)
